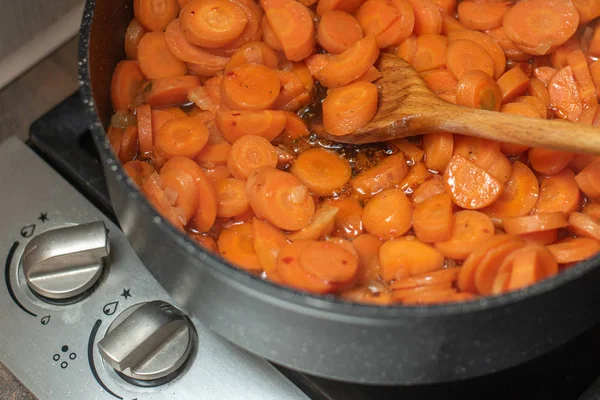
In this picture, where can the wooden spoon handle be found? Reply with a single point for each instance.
(555, 134)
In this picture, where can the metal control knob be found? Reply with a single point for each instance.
(148, 342)
(63, 263)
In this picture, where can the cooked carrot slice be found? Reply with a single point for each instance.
(390, 22)
(482, 16)
(250, 87)
(523, 268)
(558, 192)
(548, 161)
(511, 51)
(388, 214)
(417, 174)
(544, 74)
(179, 175)
(249, 153)
(303, 73)
(114, 136)
(428, 18)
(470, 186)
(337, 31)
(572, 250)
(416, 294)
(476, 89)
(251, 32)
(584, 225)
(155, 15)
(389, 172)
(322, 225)
(587, 91)
(464, 56)
(403, 257)
(156, 60)
(519, 196)
(214, 23)
(433, 219)
(587, 9)
(126, 81)
(414, 153)
(280, 198)
(206, 242)
(362, 294)
(348, 220)
(235, 124)
(371, 75)
(236, 245)
(437, 297)
(181, 137)
(564, 94)
(349, 108)
(485, 154)
(268, 242)
(268, 36)
(450, 24)
(592, 209)
(427, 279)
(349, 65)
(349, 6)
(157, 198)
(292, 274)
(129, 144)
(542, 237)
(428, 189)
(490, 46)
(138, 171)
(217, 174)
(170, 91)
(407, 49)
(536, 103)
(440, 80)
(367, 246)
(588, 179)
(213, 155)
(293, 26)
(144, 124)
(134, 33)
(522, 21)
(537, 88)
(470, 229)
(534, 223)
(254, 53)
(322, 171)
(491, 262)
(232, 198)
(513, 83)
(430, 53)
(292, 94)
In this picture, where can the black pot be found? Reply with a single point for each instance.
(322, 335)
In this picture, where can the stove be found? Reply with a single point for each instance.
(74, 295)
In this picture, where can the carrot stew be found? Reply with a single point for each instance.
(208, 122)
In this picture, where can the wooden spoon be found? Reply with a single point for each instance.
(407, 107)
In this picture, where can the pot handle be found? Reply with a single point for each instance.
(62, 137)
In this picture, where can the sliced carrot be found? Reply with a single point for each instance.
(206, 98)
(401, 28)
(417, 174)
(322, 171)
(482, 16)
(348, 220)
(197, 56)
(536, 103)
(438, 297)
(519, 196)
(235, 124)
(126, 81)
(114, 136)
(249, 153)
(464, 56)
(292, 94)
(295, 127)
(433, 219)
(564, 94)
(268, 242)
(513, 83)
(250, 87)
(291, 272)
(156, 60)
(236, 245)
(522, 108)
(181, 137)
(440, 80)
(522, 21)
(155, 15)
(485, 154)
(144, 124)
(548, 161)
(588, 115)
(156, 197)
(534, 223)
(322, 224)
(214, 23)
(544, 74)
(134, 33)
(587, 9)
(280, 198)
(138, 171)
(388, 214)
(408, 49)
(428, 189)
(388, 173)
(232, 198)
(511, 51)
(268, 35)
(293, 26)
(476, 89)
(593, 47)
(584, 225)
(213, 155)
(170, 91)
(251, 32)
(588, 179)
(431, 52)
(349, 108)
(542, 237)
(558, 192)
(572, 250)
(206, 242)
(470, 186)
(129, 144)
(371, 75)
(390, 22)
(559, 57)
(367, 246)
(305, 76)
(428, 18)
(526, 267)
(537, 88)
(254, 53)
(217, 174)
(470, 230)
(362, 294)
(451, 24)
(592, 209)
(490, 46)
(405, 257)
(337, 31)
(491, 262)
(179, 176)
(414, 153)
(429, 278)
(349, 65)
(583, 77)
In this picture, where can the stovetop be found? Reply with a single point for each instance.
(53, 348)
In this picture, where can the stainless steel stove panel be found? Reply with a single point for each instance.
(53, 350)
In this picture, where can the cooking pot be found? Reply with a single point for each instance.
(323, 335)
